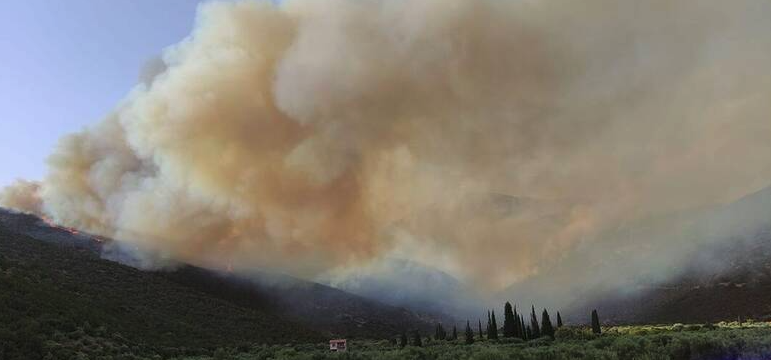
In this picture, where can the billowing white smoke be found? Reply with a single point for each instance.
(22, 195)
(487, 138)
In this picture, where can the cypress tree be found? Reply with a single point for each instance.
(546, 326)
(528, 333)
(469, 333)
(403, 340)
(454, 333)
(596, 323)
(416, 340)
(481, 335)
(517, 325)
(508, 321)
(522, 330)
(436, 332)
(534, 328)
(493, 328)
(559, 320)
(489, 324)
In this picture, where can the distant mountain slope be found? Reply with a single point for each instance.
(420, 288)
(728, 282)
(727, 276)
(327, 310)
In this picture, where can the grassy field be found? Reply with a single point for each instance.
(703, 342)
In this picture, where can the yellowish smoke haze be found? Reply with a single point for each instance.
(487, 138)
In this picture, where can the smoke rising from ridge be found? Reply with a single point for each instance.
(486, 138)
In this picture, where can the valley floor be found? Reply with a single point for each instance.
(721, 341)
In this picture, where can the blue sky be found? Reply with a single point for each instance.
(65, 64)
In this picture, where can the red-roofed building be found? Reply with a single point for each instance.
(338, 345)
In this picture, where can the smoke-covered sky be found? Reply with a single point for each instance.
(489, 139)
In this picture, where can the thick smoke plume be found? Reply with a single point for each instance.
(487, 138)
(22, 196)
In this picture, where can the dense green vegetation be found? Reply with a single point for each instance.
(697, 342)
(70, 304)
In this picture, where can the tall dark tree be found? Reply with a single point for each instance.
(442, 334)
(528, 333)
(481, 335)
(508, 321)
(517, 324)
(547, 328)
(596, 323)
(534, 328)
(454, 333)
(522, 327)
(493, 327)
(469, 333)
(416, 340)
(403, 339)
(489, 324)
(436, 332)
(559, 320)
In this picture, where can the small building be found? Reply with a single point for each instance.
(338, 345)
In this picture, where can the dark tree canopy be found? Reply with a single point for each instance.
(440, 333)
(489, 325)
(469, 333)
(514, 325)
(522, 329)
(534, 328)
(517, 325)
(547, 329)
(596, 323)
(559, 320)
(416, 340)
(509, 324)
(493, 327)
(508, 321)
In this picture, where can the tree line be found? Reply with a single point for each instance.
(515, 326)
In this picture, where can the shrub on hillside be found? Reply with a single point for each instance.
(573, 333)
(511, 341)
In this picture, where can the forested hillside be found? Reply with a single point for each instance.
(62, 301)
(63, 298)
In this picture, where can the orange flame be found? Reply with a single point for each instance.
(70, 230)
